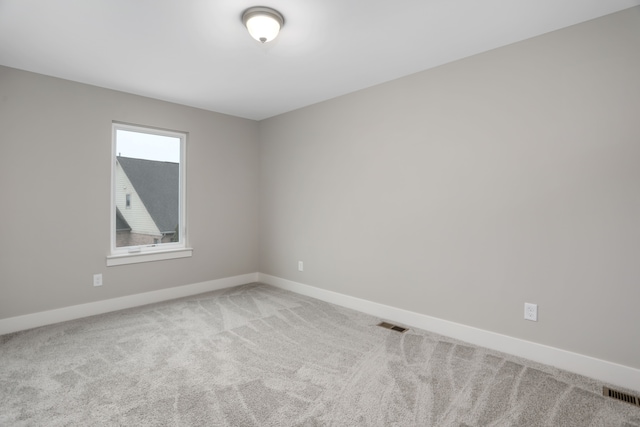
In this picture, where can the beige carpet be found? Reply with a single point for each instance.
(259, 356)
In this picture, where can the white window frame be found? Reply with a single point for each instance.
(151, 252)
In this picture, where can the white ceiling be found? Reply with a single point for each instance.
(198, 53)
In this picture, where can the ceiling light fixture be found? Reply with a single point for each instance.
(263, 23)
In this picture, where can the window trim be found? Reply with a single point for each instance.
(135, 258)
(150, 252)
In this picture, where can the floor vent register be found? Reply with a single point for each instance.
(618, 395)
(393, 327)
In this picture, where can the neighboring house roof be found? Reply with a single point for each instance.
(158, 185)
(121, 223)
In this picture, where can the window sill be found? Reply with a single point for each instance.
(123, 259)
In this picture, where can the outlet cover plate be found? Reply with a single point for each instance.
(531, 311)
(97, 280)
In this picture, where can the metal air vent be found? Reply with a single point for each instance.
(393, 327)
(625, 397)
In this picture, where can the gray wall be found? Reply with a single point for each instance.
(55, 189)
(463, 191)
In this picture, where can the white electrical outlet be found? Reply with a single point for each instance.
(300, 266)
(531, 311)
(97, 280)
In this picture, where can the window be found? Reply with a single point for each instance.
(148, 195)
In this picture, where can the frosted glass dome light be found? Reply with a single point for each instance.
(263, 23)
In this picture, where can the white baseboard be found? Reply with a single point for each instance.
(28, 321)
(602, 370)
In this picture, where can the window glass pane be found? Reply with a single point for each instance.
(147, 188)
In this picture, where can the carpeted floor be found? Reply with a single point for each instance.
(255, 355)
